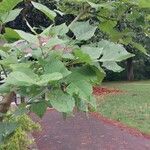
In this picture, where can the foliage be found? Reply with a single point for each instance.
(16, 131)
(7, 13)
(51, 69)
(120, 21)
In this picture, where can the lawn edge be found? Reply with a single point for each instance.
(118, 124)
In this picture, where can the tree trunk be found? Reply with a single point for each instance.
(8, 98)
(130, 72)
(6, 102)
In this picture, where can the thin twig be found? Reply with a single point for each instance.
(79, 16)
(5, 73)
(29, 26)
(1, 28)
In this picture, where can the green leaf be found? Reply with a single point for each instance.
(107, 5)
(53, 42)
(93, 52)
(133, 2)
(113, 66)
(100, 74)
(11, 35)
(61, 101)
(113, 52)
(7, 5)
(87, 73)
(82, 57)
(60, 29)
(22, 75)
(108, 26)
(144, 3)
(3, 54)
(20, 79)
(10, 59)
(24, 68)
(68, 56)
(83, 30)
(47, 31)
(28, 37)
(139, 47)
(39, 108)
(126, 40)
(5, 88)
(55, 65)
(46, 78)
(10, 16)
(49, 13)
(6, 129)
(83, 89)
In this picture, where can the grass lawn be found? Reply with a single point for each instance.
(131, 107)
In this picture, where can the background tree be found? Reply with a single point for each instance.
(120, 21)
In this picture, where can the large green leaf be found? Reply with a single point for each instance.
(87, 73)
(139, 47)
(61, 101)
(26, 77)
(107, 5)
(39, 108)
(49, 13)
(55, 65)
(113, 66)
(10, 59)
(5, 88)
(6, 129)
(46, 78)
(3, 54)
(10, 16)
(93, 52)
(20, 79)
(144, 3)
(47, 31)
(11, 35)
(108, 26)
(24, 68)
(53, 42)
(83, 30)
(100, 73)
(60, 29)
(28, 37)
(140, 3)
(113, 52)
(8, 5)
(82, 57)
(83, 89)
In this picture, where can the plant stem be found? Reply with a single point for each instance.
(1, 27)
(5, 73)
(79, 16)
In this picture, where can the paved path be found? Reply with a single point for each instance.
(82, 133)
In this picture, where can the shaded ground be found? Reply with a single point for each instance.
(82, 133)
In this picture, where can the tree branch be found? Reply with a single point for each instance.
(85, 10)
(5, 73)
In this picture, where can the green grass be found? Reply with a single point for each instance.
(131, 107)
